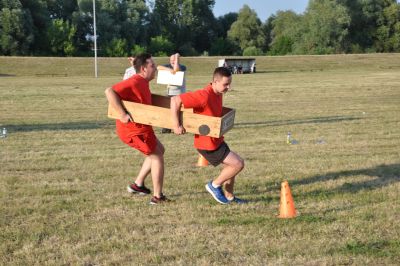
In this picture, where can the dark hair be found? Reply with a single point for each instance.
(140, 60)
(221, 72)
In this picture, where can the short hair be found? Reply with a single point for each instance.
(221, 72)
(140, 61)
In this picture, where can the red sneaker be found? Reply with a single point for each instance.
(163, 199)
(142, 190)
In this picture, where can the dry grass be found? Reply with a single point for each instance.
(63, 170)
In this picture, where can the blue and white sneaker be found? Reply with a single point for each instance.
(238, 201)
(217, 193)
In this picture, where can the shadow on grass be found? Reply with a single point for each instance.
(384, 175)
(82, 125)
(6, 75)
(317, 120)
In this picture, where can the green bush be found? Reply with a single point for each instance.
(252, 51)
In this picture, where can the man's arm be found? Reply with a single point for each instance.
(176, 62)
(176, 104)
(160, 67)
(116, 103)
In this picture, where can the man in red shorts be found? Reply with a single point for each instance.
(208, 101)
(139, 136)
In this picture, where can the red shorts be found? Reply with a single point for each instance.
(146, 143)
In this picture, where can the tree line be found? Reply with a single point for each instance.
(161, 27)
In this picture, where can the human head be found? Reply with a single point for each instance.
(222, 79)
(145, 66)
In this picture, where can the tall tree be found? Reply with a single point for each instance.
(185, 23)
(61, 37)
(286, 30)
(120, 22)
(41, 21)
(61, 9)
(325, 28)
(247, 30)
(16, 31)
(388, 28)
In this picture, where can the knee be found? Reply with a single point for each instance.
(239, 164)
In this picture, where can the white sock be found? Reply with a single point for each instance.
(215, 186)
(230, 199)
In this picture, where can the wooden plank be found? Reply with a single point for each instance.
(160, 116)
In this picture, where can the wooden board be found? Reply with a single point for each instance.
(159, 115)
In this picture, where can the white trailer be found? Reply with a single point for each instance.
(239, 65)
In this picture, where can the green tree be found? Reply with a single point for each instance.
(282, 45)
(16, 32)
(41, 21)
(246, 31)
(224, 23)
(325, 28)
(224, 46)
(388, 29)
(252, 51)
(267, 28)
(286, 30)
(61, 9)
(137, 49)
(122, 20)
(160, 46)
(116, 48)
(186, 23)
(61, 37)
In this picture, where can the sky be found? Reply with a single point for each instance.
(263, 8)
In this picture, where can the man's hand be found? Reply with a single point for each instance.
(179, 130)
(125, 118)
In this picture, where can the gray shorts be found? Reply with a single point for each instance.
(217, 156)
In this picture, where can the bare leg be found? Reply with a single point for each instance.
(157, 169)
(232, 165)
(144, 171)
(228, 186)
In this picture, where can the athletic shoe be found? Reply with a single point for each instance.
(217, 193)
(166, 131)
(142, 190)
(163, 199)
(238, 201)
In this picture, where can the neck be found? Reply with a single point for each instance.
(143, 76)
(215, 91)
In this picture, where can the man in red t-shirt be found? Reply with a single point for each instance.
(139, 136)
(208, 101)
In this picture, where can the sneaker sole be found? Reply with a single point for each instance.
(135, 192)
(212, 194)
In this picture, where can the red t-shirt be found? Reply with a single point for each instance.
(135, 89)
(204, 102)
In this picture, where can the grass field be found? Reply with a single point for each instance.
(63, 171)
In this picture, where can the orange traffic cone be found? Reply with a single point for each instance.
(202, 161)
(287, 209)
